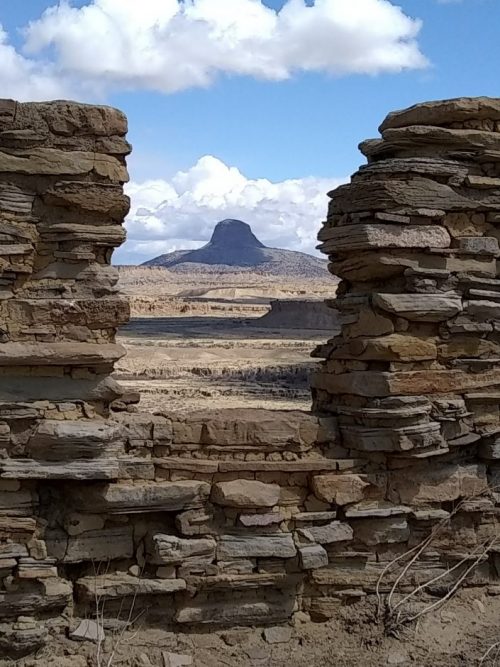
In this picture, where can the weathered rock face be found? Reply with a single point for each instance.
(62, 170)
(413, 377)
(243, 516)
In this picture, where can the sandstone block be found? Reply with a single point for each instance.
(172, 550)
(275, 608)
(427, 140)
(274, 545)
(166, 572)
(369, 323)
(468, 347)
(301, 466)
(250, 520)
(376, 509)
(313, 557)
(373, 383)
(54, 162)
(140, 497)
(483, 310)
(420, 307)
(88, 630)
(176, 659)
(237, 566)
(95, 545)
(120, 585)
(336, 531)
(479, 245)
(398, 193)
(394, 347)
(98, 469)
(444, 111)
(463, 225)
(93, 197)
(315, 516)
(278, 635)
(393, 439)
(59, 354)
(37, 388)
(22, 639)
(436, 485)
(245, 493)
(340, 489)
(59, 440)
(351, 238)
(239, 426)
(52, 594)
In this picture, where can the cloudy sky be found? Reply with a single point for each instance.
(250, 109)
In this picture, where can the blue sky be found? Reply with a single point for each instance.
(259, 138)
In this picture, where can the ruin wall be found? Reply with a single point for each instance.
(235, 517)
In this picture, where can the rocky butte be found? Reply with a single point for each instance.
(389, 487)
(234, 247)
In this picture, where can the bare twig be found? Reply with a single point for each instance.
(456, 586)
(131, 619)
(438, 577)
(395, 615)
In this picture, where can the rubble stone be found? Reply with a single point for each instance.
(245, 494)
(88, 630)
(313, 557)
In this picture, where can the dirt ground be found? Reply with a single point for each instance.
(457, 635)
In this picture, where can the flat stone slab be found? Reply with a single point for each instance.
(313, 557)
(278, 635)
(336, 531)
(279, 545)
(444, 111)
(420, 307)
(88, 630)
(122, 585)
(176, 659)
(159, 497)
(59, 354)
(245, 493)
(351, 238)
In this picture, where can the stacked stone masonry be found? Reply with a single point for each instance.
(233, 517)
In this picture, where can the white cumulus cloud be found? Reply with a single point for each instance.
(172, 45)
(24, 78)
(182, 212)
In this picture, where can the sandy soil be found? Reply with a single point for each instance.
(457, 635)
(191, 362)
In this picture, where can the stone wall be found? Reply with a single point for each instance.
(414, 376)
(234, 517)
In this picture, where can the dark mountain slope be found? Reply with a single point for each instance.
(234, 247)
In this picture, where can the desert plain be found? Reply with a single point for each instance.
(222, 339)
